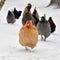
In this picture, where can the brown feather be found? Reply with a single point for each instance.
(28, 37)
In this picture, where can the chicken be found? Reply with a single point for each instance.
(27, 9)
(44, 28)
(28, 35)
(52, 24)
(36, 16)
(27, 15)
(17, 13)
(10, 17)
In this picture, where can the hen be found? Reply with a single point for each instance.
(27, 15)
(17, 13)
(27, 9)
(10, 17)
(28, 35)
(52, 24)
(44, 28)
(36, 16)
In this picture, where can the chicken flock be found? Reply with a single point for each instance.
(32, 26)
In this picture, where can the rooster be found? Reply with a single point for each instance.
(52, 24)
(28, 35)
(36, 16)
(44, 28)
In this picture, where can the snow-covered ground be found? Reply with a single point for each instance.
(10, 49)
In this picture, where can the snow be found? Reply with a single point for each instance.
(10, 49)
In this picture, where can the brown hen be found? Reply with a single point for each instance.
(28, 35)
